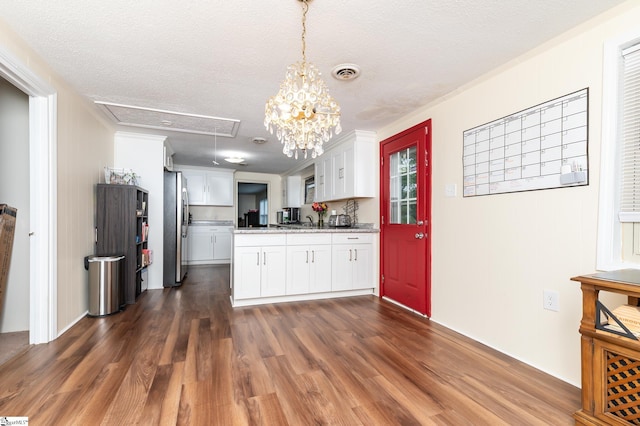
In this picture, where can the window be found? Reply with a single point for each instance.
(619, 204)
(629, 143)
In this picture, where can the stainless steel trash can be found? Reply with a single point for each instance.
(106, 275)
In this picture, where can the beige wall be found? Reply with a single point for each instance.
(84, 147)
(493, 256)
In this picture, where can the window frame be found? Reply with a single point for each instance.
(609, 242)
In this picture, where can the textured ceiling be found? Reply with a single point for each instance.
(226, 58)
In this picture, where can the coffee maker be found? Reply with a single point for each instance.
(293, 214)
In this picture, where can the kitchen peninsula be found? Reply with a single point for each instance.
(293, 263)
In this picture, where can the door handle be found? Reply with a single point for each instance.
(307, 256)
(419, 235)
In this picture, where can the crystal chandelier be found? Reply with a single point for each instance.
(303, 113)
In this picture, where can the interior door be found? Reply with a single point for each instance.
(405, 218)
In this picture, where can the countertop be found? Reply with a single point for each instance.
(301, 229)
(211, 223)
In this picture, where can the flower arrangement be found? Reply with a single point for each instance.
(321, 209)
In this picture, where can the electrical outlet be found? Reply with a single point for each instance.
(551, 300)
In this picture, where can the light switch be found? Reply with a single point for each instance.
(450, 190)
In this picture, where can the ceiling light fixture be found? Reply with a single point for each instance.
(303, 113)
(235, 160)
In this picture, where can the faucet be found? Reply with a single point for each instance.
(310, 219)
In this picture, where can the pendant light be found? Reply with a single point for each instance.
(303, 113)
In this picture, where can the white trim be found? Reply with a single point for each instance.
(42, 175)
(608, 251)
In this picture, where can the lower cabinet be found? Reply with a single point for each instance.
(259, 266)
(352, 260)
(308, 260)
(209, 245)
(300, 266)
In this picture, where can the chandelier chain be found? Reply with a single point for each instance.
(305, 8)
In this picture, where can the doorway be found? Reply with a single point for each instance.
(14, 191)
(253, 204)
(405, 209)
(42, 196)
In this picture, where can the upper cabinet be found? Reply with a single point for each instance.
(209, 187)
(347, 169)
(168, 156)
(292, 191)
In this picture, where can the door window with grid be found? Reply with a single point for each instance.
(403, 187)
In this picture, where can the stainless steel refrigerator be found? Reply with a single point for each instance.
(176, 228)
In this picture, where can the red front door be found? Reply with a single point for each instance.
(405, 196)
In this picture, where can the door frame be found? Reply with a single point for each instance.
(43, 324)
(427, 195)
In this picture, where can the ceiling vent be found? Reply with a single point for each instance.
(128, 115)
(259, 140)
(345, 72)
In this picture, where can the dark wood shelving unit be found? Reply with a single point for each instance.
(120, 230)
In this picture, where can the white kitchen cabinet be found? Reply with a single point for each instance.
(209, 187)
(320, 180)
(292, 191)
(352, 260)
(309, 263)
(222, 245)
(209, 244)
(259, 266)
(348, 168)
(200, 246)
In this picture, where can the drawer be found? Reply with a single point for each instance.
(353, 238)
(310, 238)
(254, 240)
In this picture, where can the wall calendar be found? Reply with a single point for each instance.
(542, 147)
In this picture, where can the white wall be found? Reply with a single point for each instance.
(14, 191)
(494, 255)
(144, 154)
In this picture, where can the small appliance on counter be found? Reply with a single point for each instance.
(289, 215)
(340, 221)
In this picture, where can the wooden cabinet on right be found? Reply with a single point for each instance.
(610, 354)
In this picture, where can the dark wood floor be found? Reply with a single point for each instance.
(183, 356)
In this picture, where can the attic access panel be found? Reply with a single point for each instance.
(128, 115)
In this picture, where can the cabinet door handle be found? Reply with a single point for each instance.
(264, 259)
(307, 261)
(258, 258)
(313, 256)
(356, 258)
(350, 255)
